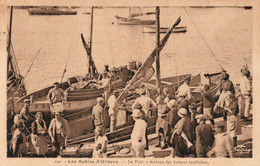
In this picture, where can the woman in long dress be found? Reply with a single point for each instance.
(39, 135)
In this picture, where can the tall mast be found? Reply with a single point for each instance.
(9, 41)
(158, 74)
(91, 30)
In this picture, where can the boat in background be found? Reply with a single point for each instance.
(132, 20)
(152, 29)
(81, 91)
(51, 11)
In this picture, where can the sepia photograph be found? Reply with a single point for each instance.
(129, 82)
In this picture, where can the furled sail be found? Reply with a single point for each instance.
(92, 70)
(148, 63)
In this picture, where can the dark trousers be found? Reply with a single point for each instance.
(59, 143)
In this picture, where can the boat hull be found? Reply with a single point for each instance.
(125, 21)
(152, 29)
(50, 12)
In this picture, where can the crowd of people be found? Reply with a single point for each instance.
(181, 122)
(31, 134)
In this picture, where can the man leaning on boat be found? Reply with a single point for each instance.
(56, 97)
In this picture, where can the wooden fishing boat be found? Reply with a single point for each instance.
(15, 81)
(51, 11)
(133, 21)
(152, 29)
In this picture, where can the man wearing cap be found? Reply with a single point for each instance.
(142, 86)
(146, 102)
(113, 109)
(105, 84)
(245, 90)
(204, 136)
(25, 113)
(184, 91)
(222, 146)
(98, 113)
(226, 86)
(138, 139)
(56, 94)
(173, 116)
(59, 132)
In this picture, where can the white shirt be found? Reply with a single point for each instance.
(184, 91)
(146, 103)
(105, 83)
(138, 133)
(245, 85)
(113, 105)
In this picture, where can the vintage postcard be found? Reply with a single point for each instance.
(134, 83)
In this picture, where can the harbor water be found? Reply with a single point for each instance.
(56, 42)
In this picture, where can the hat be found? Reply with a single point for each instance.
(172, 103)
(141, 91)
(137, 113)
(182, 112)
(27, 101)
(100, 99)
(58, 112)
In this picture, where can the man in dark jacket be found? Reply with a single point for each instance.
(204, 137)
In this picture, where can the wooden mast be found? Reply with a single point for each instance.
(158, 74)
(90, 41)
(9, 41)
(91, 30)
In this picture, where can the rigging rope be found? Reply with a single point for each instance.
(65, 69)
(204, 40)
(38, 51)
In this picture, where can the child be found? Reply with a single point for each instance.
(100, 146)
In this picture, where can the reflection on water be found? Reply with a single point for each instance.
(228, 32)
